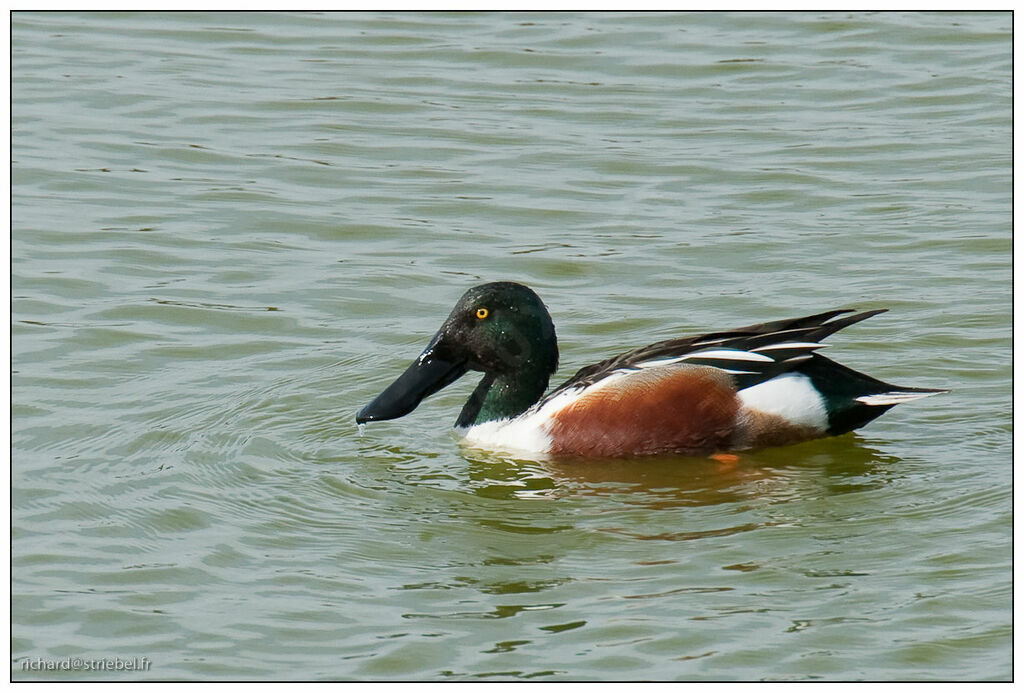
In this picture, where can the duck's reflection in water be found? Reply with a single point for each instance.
(827, 467)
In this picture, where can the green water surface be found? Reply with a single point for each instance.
(231, 231)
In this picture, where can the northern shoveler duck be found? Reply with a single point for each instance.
(749, 387)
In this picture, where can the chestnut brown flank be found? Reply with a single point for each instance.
(674, 409)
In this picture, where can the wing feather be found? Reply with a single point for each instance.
(751, 354)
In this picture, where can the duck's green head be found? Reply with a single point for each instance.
(501, 329)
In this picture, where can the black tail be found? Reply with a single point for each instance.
(853, 399)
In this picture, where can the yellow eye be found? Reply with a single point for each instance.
(482, 313)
